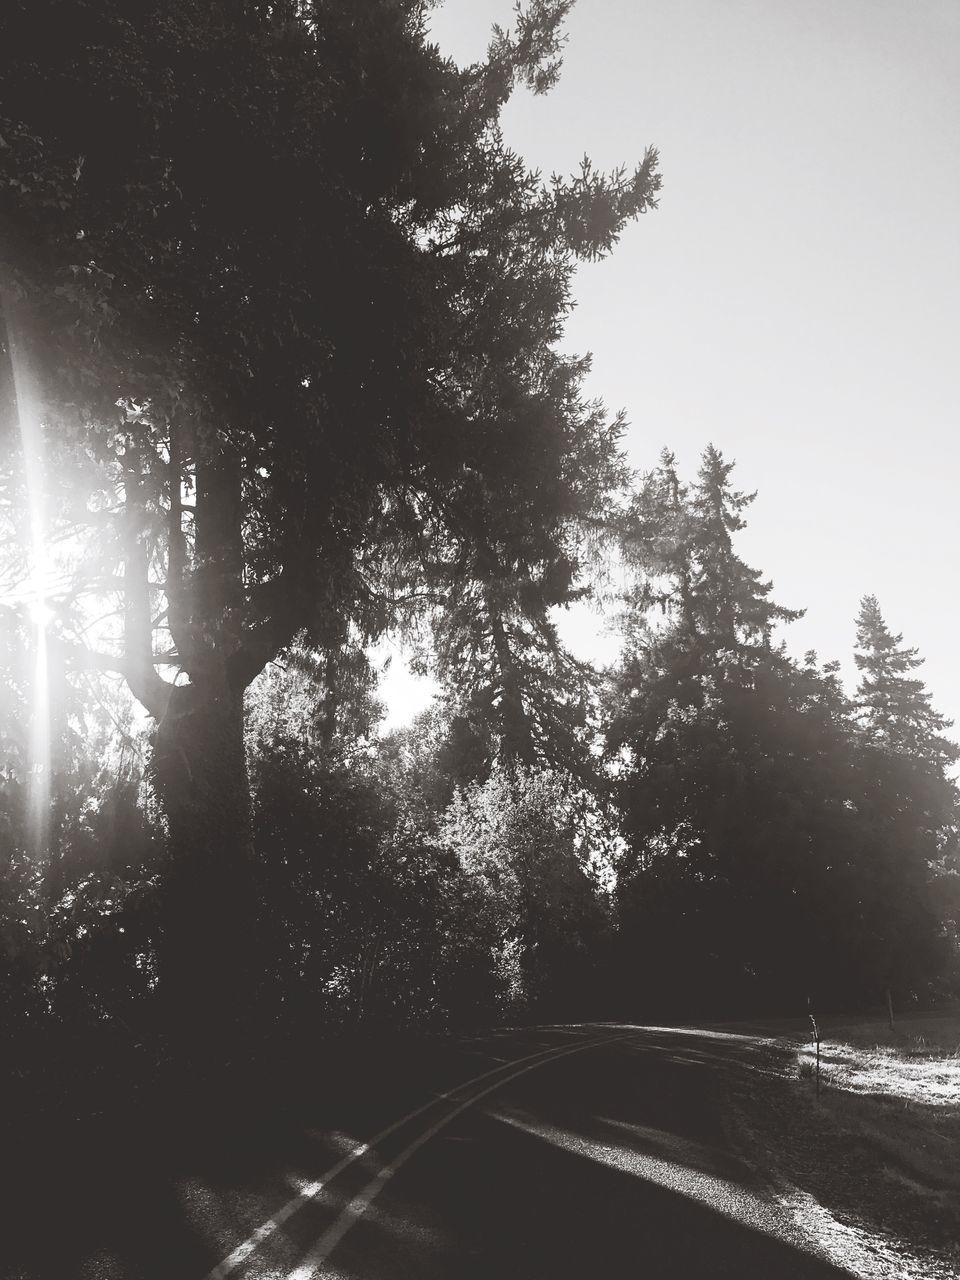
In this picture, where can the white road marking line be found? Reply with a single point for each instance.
(307, 1268)
(310, 1192)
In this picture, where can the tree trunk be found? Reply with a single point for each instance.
(207, 962)
(208, 952)
(517, 737)
(208, 938)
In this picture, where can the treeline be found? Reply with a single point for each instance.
(784, 841)
(724, 831)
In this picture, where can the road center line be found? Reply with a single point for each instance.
(310, 1192)
(307, 1268)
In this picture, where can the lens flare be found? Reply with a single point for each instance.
(31, 440)
(40, 759)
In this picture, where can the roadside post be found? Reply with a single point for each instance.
(816, 1037)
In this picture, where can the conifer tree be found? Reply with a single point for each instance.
(732, 602)
(678, 540)
(910, 756)
(699, 660)
(895, 706)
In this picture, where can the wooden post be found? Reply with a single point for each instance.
(816, 1036)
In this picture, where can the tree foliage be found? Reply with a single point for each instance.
(774, 852)
(285, 311)
(515, 836)
(285, 260)
(894, 706)
(285, 292)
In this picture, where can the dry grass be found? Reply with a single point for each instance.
(875, 1159)
(899, 1092)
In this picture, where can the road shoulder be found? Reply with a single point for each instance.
(866, 1207)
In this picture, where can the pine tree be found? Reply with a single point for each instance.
(910, 757)
(732, 602)
(895, 706)
(699, 664)
(679, 541)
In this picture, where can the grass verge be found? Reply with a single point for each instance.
(879, 1149)
(899, 1092)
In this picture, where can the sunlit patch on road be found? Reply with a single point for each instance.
(724, 1196)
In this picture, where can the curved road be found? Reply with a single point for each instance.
(558, 1152)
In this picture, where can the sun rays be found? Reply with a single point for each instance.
(33, 590)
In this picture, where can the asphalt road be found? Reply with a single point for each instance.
(586, 1151)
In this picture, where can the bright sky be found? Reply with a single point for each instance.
(795, 297)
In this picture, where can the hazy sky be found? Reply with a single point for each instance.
(794, 299)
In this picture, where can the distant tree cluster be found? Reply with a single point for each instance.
(783, 841)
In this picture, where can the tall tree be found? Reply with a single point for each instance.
(911, 751)
(731, 601)
(276, 272)
(678, 541)
(895, 706)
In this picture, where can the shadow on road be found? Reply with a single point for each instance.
(612, 1165)
(613, 1162)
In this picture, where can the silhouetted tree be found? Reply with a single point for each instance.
(772, 851)
(911, 754)
(895, 707)
(286, 293)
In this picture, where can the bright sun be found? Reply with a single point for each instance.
(41, 614)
